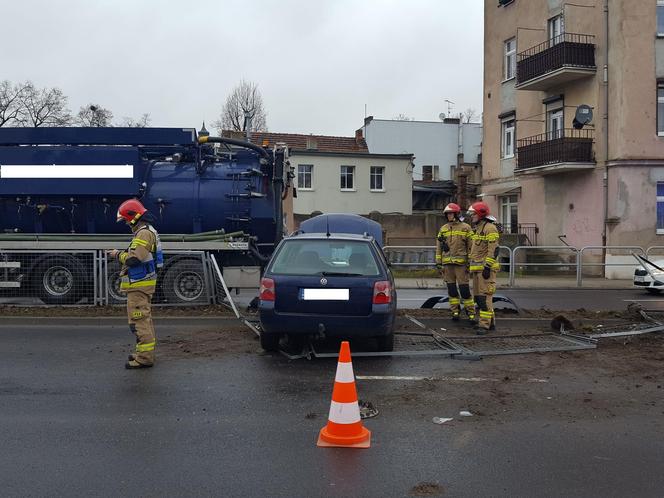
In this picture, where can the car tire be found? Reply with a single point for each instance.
(269, 342)
(385, 342)
(650, 290)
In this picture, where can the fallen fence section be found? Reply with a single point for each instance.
(518, 344)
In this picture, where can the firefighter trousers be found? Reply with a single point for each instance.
(484, 291)
(139, 313)
(458, 275)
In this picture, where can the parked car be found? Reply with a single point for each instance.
(328, 285)
(643, 280)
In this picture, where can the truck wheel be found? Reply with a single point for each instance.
(60, 280)
(385, 342)
(269, 342)
(113, 285)
(184, 282)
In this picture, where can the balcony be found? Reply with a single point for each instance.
(555, 62)
(555, 152)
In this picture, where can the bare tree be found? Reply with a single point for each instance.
(468, 116)
(142, 122)
(44, 107)
(93, 115)
(244, 101)
(10, 103)
(402, 117)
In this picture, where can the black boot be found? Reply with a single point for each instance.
(133, 364)
(481, 330)
(455, 317)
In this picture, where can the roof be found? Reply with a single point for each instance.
(320, 143)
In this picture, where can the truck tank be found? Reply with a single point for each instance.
(188, 187)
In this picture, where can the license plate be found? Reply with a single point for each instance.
(639, 279)
(325, 294)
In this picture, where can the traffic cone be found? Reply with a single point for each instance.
(344, 427)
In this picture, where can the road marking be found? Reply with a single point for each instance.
(437, 379)
(416, 322)
(644, 300)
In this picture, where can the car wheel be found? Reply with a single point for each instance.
(386, 342)
(653, 291)
(269, 342)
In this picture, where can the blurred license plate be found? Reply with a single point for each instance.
(639, 279)
(325, 294)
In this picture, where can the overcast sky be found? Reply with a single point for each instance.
(317, 63)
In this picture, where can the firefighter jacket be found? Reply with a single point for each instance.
(484, 246)
(457, 235)
(141, 261)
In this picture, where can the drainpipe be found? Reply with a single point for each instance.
(605, 78)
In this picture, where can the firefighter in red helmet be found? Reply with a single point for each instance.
(140, 263)
(452, 247)
(483, 264)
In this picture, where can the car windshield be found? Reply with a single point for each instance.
(325, 257)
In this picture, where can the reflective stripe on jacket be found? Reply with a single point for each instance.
(457, 236)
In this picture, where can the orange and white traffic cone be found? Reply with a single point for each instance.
(344, 427)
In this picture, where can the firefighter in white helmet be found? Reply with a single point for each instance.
(452, 248)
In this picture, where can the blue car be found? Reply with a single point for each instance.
(328, 285)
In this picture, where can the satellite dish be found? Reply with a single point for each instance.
(583, 116)
(441, 116)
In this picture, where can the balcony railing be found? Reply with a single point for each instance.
(565, 50)
(561, 146)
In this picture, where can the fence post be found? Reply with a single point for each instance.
(579, 267)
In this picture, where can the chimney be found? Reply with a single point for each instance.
(358, 136)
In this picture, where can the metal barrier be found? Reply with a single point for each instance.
(604, 264)
(184, 280)
(425, 256)
(518, 249)
(55, 278)
(651, 248)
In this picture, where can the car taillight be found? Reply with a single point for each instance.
(382, 292)
(267, 289)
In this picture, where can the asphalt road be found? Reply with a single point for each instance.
(73, 422)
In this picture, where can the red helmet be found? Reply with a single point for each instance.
(452, 208)
(481, 209)
(131, 211)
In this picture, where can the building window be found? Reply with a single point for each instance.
(508, 134)
(660, 109)
(509, 62)
(660, 18)
(556, 29)
(347, 173)
(660, 208)
(376, 178)
(304, 176)
(509, 211)
(555, 124)
(431, 173)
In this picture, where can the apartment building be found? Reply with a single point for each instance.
(596, 181)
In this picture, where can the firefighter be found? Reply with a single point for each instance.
(452, 247)
(139, 279)
(483, 265)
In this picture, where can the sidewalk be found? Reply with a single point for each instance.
(524, 282)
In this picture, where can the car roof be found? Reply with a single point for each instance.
(333, 236)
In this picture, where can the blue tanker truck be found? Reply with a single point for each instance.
(63, 186)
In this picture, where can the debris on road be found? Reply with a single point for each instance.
(465, 413)
(367, 409)
(440, 420)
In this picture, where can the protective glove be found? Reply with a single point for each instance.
(486, 273)
(445, 247)
(439, 266)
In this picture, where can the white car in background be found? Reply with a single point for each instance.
(644, 279)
